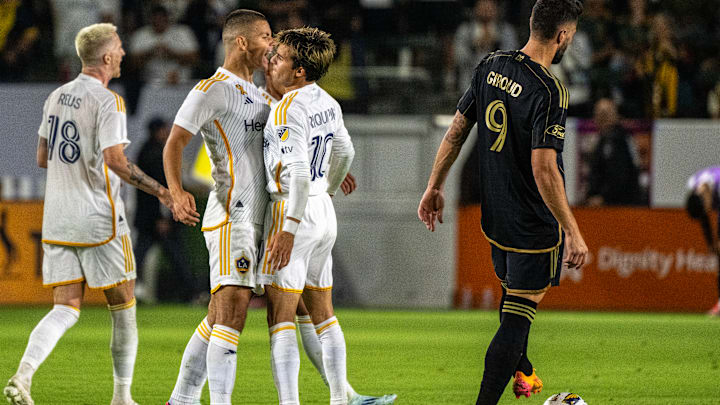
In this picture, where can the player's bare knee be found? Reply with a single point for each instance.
(534, 297)
(70, 295)
(301, 308)
(229, 307)
(121, 294)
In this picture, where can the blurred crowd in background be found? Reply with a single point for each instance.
(652, 58)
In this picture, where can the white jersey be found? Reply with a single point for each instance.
(230, 114)
(82, 196)
(306, 125)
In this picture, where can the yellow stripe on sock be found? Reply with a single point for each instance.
(530, 312)
(221, 333)
(519, 313)
(289, 327)
(226, 333)
(519, 306)
(120, 307)
(202, 329)
(320, 330)
(227, 340)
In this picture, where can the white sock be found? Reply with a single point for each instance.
(285, 361)
(333, 348)
(222, 363)
(349, 391)
(311, 343)
(123, 346)
(313, 349)
(44, 338)
(193, 368)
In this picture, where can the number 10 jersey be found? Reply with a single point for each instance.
(306, 125)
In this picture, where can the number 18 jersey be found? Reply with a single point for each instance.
(306, 125)
(82, 196)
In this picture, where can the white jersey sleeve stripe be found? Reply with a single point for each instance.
(112, 208)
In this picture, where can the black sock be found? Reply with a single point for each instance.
(506, 348)
(524, 364)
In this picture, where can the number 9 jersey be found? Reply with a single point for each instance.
(306, 125)
(519, 106)
(82, 196)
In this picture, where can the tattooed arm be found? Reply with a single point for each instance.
(115, 159)
(433, 201)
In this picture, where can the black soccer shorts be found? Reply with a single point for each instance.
(528, 273)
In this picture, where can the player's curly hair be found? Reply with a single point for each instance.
(313, 50)
(549, 15)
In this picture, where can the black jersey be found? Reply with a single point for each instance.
(518, 106)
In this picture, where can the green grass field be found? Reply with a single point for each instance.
(424, 357)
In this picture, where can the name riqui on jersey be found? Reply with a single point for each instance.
(321, 118)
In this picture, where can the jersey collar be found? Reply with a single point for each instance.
(83, 76)
(233, 75)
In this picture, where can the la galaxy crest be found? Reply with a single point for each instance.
(242, 264)
(283, 133)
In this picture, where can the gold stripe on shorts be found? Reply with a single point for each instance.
(282, 222)
(228, 258)
(270, 234)
(220, 249)
(125, 253)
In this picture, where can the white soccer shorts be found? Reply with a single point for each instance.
(101, 267)
(233, 250)
(310, 265)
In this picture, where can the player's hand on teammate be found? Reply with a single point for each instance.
(183, 208)
(279, 250)
(576, 251)
(431, 207)
(349, 184)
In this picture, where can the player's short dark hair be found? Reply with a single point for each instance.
(313, 50)
(240, 19)
(695, 206)
(159, 10)
(549, 15)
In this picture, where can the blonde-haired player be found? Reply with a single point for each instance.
(85, 233)
(230, 114)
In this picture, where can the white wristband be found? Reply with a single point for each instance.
(290, 226)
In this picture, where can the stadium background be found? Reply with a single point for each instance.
(397, 76)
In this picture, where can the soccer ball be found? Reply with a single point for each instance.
(565, 398)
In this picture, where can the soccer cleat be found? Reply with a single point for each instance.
(170, 403)
(368, 400)
(525, 385)
(715, 311)
(17, 393)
